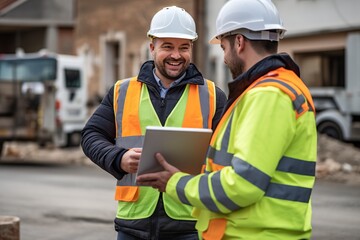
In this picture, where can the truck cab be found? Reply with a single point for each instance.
(42, 98)
(338, 105)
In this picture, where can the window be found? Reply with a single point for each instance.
(72, 78)
(28, 70)
(322, 69)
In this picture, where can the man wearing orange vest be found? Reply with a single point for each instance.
(168, 91)
(260, 167)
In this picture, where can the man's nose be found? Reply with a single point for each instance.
(175, 54)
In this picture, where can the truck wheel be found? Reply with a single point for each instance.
(331, 129)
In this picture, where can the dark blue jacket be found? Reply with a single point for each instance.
(98, 143)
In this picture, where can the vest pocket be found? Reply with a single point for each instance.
(215, 230)
(127, 193)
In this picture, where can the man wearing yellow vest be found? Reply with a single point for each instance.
(260, 168)
(168, 91)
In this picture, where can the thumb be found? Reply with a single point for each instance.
(165, 164)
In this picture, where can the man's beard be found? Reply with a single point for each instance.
(161, 68)
(235, 65)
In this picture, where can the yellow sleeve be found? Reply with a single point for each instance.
(262, 127)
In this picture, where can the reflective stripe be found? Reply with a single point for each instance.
(293, 165)
(254, 176)
(220, 194)
(274, 190)
(180, 188)
(120, 103)
(250, 173)
(287, 192)
(222, 157)
(212, 102)
(299, 98)
(204, 194)
(262, 180)
(199, 100)
(130, 142)
(204, 103)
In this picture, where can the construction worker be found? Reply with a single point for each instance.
(168, 91)
(260, 168)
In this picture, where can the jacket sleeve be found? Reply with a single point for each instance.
(263, 126)
(98, 138)
(220, 105)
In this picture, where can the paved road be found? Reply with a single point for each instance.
(63, 202)
(336, 211)
(58, 202)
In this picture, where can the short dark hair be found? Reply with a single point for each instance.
(260, 46)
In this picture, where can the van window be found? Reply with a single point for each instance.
(72, 78)
(28, 70)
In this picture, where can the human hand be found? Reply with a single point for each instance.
(130, 160)
(159, 179)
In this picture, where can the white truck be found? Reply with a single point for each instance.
(338, 108)
(42, 98)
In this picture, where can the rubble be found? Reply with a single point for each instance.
(338, 161)
(31, 152)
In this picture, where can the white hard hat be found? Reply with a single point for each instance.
(255, 19)
(172, 22)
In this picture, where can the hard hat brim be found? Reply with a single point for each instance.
(173, 35)
(214, 40)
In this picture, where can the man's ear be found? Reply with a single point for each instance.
(239, 42)
(151, 47)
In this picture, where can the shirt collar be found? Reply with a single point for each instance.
(172, 84)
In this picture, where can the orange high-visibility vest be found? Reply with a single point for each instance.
(134, 111)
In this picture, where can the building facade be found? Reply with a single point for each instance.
(32, 25)
(112, 36)
(316, 37)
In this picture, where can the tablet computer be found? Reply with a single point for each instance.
(184, 148)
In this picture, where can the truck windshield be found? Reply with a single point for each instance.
(28, 70)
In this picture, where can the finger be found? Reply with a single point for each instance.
(147, 183)
(147, 177)
(135, 156)
(165, 164)
(137, 150)
(134, 163)
(162, 161)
